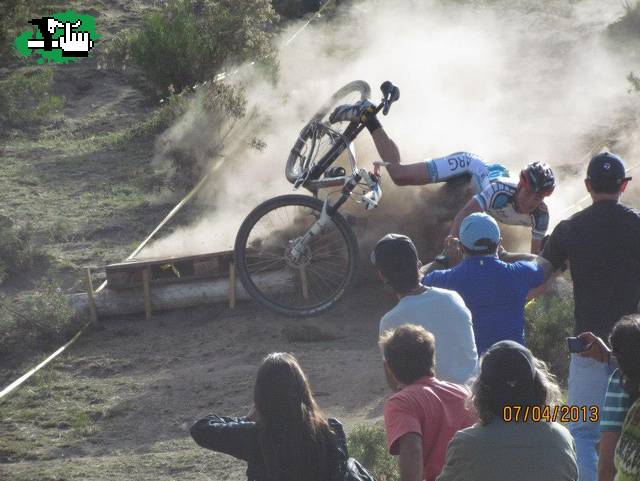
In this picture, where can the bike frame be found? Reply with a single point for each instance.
(313, 182)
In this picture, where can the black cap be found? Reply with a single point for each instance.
(508, 368)
(608, 167)
(393, 253)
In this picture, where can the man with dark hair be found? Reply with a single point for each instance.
(439, 311)
(602, 245)
(424, 413)
(493, 283)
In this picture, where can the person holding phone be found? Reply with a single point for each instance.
(602, 245)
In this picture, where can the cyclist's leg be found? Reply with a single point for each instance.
(401, 174)
(430, 171)
(453, 165)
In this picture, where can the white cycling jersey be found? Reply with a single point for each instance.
(495, 190)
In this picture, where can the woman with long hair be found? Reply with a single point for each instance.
(285, 437)
(515, 398)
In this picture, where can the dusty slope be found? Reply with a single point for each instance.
(119, 405)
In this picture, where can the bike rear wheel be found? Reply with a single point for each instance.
(315, 138)
(303, 287)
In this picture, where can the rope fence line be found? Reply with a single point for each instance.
(22, 379)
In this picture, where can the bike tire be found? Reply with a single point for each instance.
(357, 86)
(292, 302)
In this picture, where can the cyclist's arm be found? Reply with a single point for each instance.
(401, 174)
(547, 268)
(469, 208)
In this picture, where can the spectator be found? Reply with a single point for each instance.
(424, 413)
(493, 288)
(439, 311)
(285, 437)
(616, 404)
(495, 449)
(616, 450)
(625, 341)
(602, 245)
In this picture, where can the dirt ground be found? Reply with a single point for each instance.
(118, 405)
(142, 383)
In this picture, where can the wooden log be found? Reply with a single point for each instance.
(232, 285)
(146, 290)
(115, 302)
(90, 295)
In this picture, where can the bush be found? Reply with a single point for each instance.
(182, 152)
(368, 445)
(296, 8)
(26, 99)
(628, 25)
(188, 41)
(39, 320)
(15, 17)
(549, 321)
(17, 253)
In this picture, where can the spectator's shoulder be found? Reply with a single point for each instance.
(467, 438)
(631, 212)
(560, 432)
(438, 278)
(448, 294)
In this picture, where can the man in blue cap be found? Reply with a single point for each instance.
(602, 245)
(493, 288)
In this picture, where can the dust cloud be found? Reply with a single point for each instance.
(512, 81)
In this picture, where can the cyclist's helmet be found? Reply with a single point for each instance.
(539, 177)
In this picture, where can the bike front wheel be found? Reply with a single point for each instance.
(315, 140)
(303, 282)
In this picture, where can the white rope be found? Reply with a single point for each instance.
(15, 384)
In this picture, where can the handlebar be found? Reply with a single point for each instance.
(390, 93)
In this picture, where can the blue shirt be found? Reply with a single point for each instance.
(494, 291)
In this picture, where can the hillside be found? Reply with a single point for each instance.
(118, 404)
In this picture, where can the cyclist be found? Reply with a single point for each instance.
(515, 201)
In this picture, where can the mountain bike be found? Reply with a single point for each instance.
(296, 254)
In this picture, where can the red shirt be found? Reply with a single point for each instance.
(435, 410)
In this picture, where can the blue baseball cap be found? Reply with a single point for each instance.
(479, 232)
(607, 167)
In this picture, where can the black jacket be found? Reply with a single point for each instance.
(238, 437)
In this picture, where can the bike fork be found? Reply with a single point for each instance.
(328, 211)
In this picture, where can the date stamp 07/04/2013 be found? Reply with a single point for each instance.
(562, 414)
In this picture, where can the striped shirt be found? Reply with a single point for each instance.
(616, 405)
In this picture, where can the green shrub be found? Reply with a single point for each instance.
(627, 27)
(17, 253)
(25, 97)
(189, 41)
(549, 320)
(367, 443)
(15, 17)
(296, 8)
(213, 108)
(41, 320)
